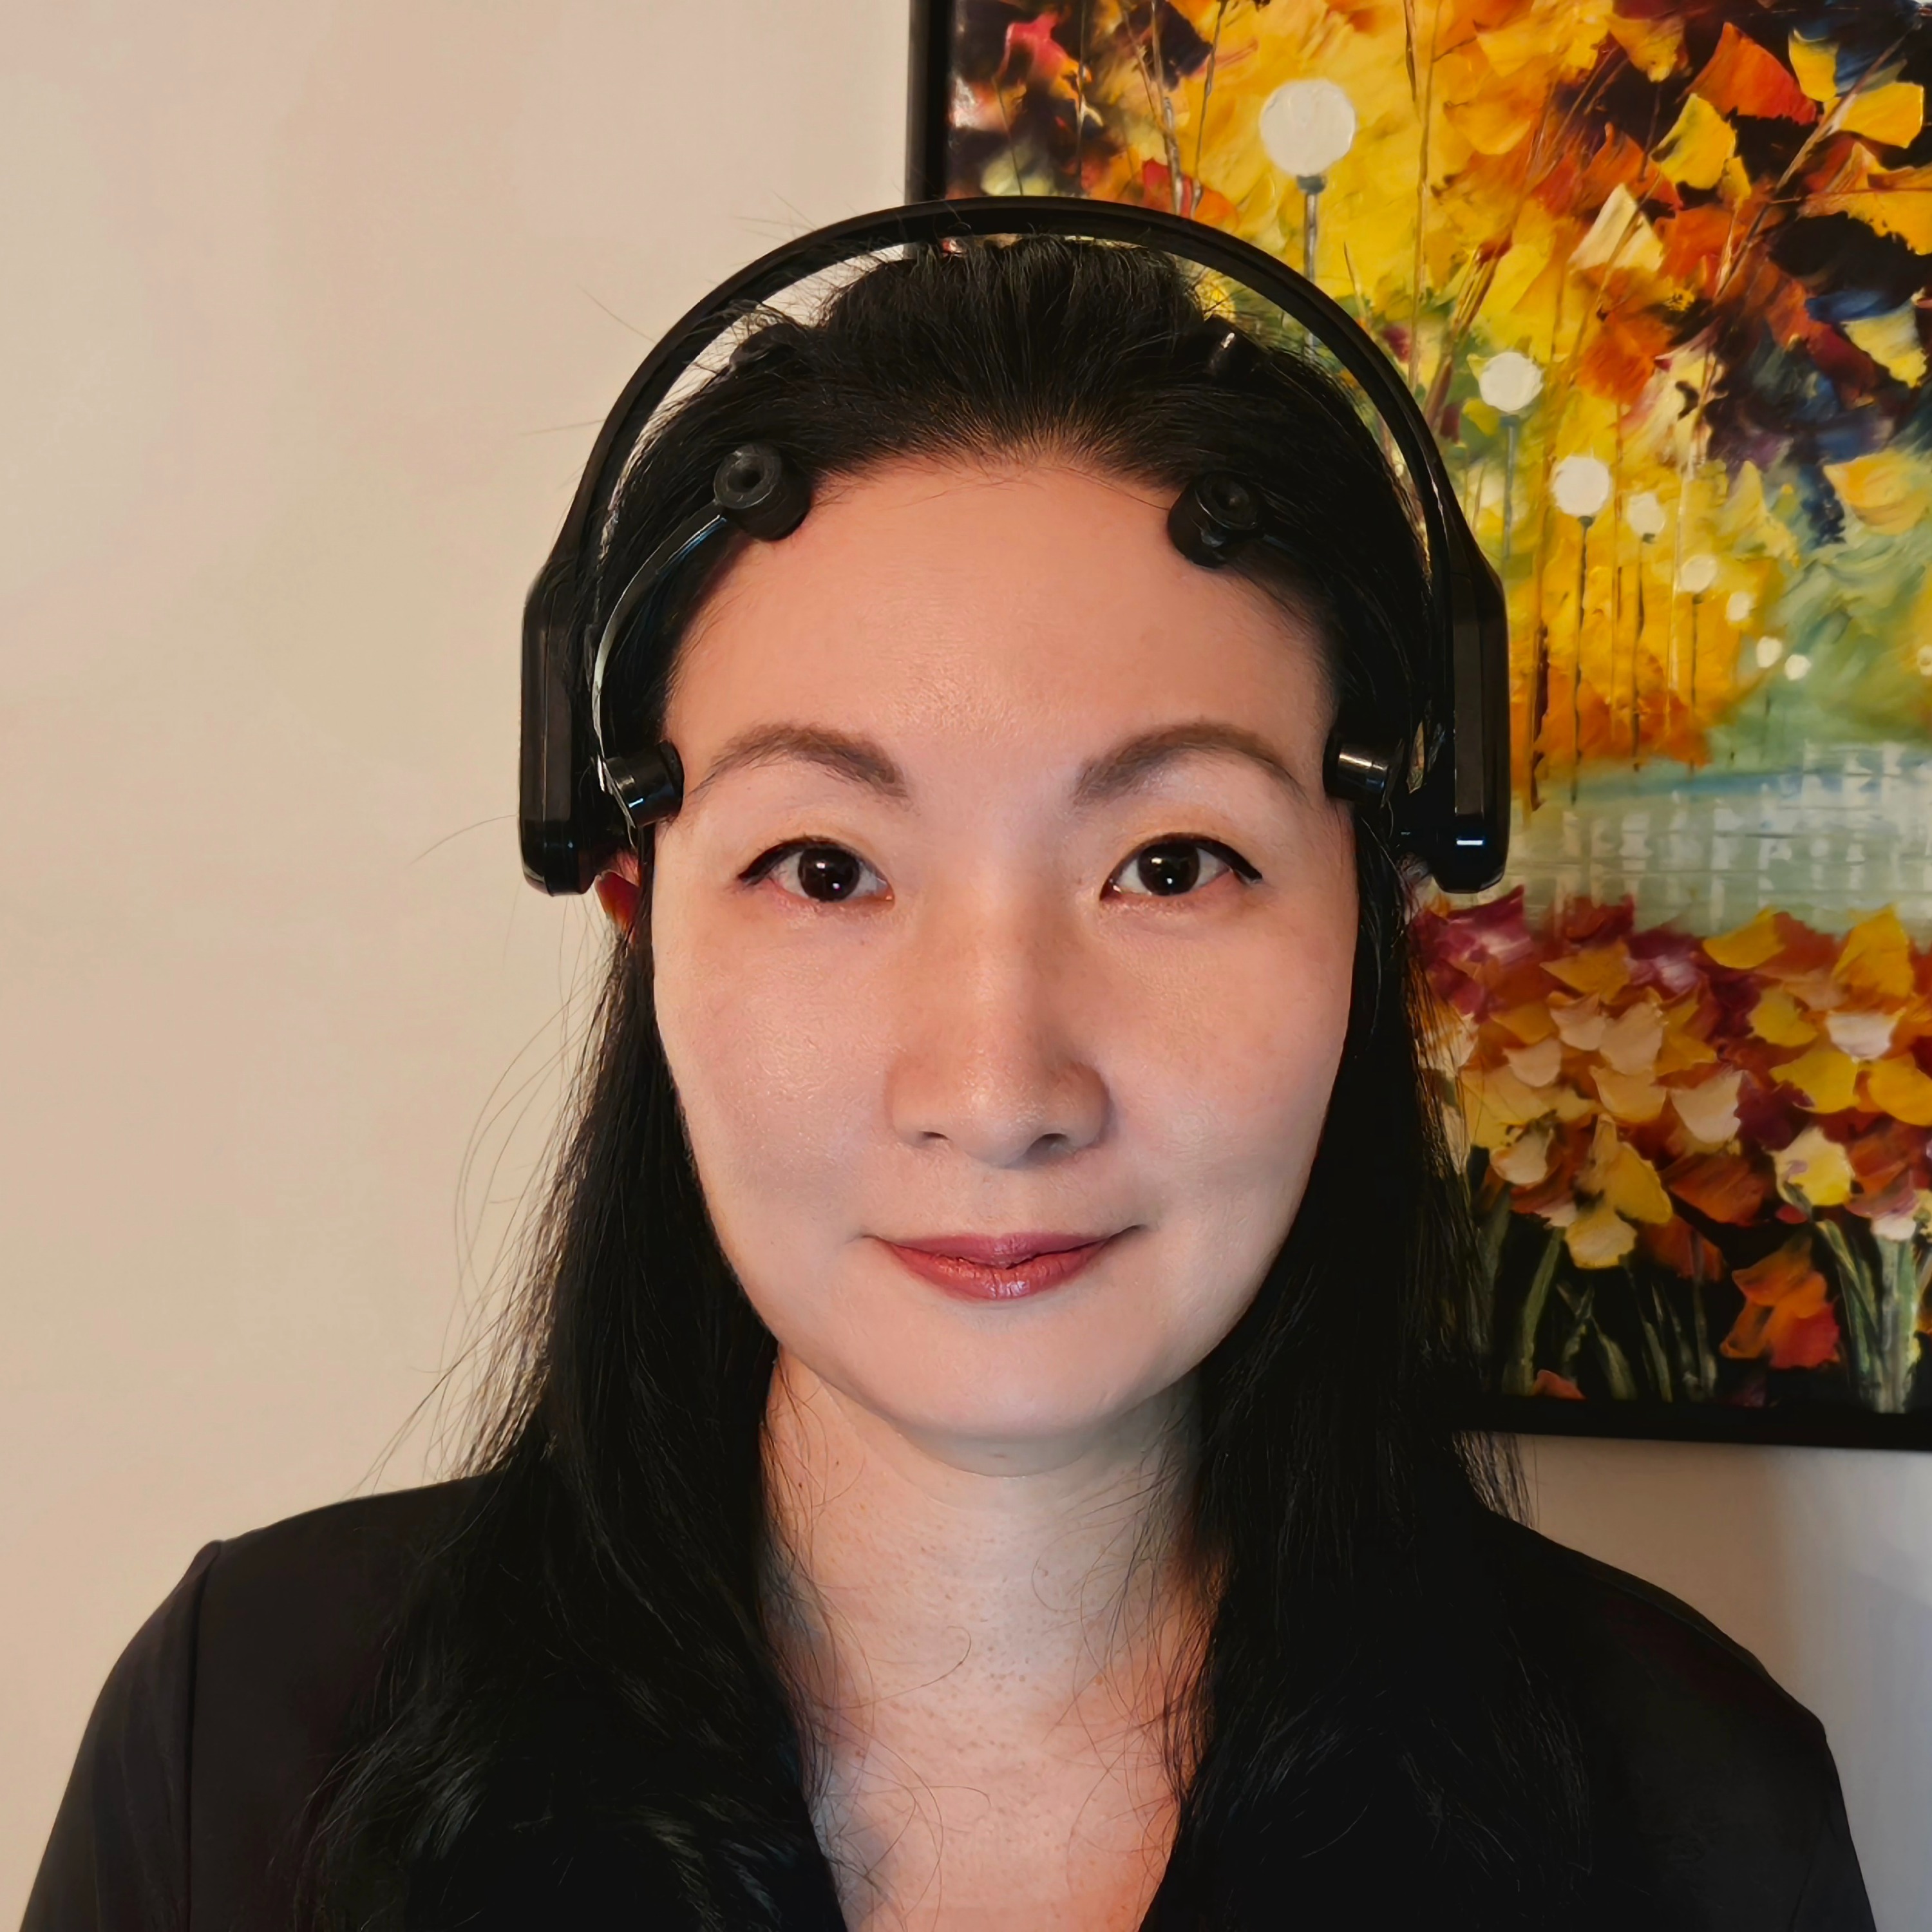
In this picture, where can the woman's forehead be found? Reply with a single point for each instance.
(975, 598)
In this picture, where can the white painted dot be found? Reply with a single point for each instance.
(1698, 573)
(1581, 485)
(1306, 127)
(1644, 514)
(1510, 382)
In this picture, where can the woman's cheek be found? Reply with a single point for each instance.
(772, 1075)
(1246, 1043)
(1242, 1132)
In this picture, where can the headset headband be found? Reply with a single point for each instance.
(1456, 814)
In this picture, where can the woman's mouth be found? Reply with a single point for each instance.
(998, 1268)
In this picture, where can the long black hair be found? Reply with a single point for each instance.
(584, 1684)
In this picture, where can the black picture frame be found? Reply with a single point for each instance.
(928, 76)
(1817, 1425)
(1810, 1426)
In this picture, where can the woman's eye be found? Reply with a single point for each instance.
(1170, 867)
(828, 874)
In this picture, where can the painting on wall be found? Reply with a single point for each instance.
(1661, 276)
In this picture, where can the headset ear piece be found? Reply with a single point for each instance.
(1362, 776)
(1213, 518)
(764, 495)
(648, 786)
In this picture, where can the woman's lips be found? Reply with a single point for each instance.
(998, 1268)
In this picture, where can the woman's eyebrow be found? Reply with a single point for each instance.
(858, 760)
(1129, 766)
(1136, 762)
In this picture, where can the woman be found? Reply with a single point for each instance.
(974, 1451)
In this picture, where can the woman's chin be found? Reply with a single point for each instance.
(1037, 1415)
(997, 1381)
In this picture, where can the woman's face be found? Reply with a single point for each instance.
(1003, 946)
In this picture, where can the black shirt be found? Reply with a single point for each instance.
(186, 1808)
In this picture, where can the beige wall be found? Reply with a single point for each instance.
(308, 308)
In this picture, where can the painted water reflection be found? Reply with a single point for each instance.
(1844, 829)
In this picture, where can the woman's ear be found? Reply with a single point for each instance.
(619, 890)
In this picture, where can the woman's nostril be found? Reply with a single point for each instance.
(1013, 1115)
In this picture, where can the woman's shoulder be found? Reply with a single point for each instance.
(302, 1598)
(1708, 1771)
(1663, 1658)
(225, 1710)
(293, 1617)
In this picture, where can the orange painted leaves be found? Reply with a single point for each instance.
(1787, 1314)
(1724, 1187)
(1742, 77)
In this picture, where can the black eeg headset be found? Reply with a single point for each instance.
(583, 798)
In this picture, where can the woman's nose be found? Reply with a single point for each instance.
(991, 1057)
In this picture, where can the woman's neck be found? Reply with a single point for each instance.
(985, 1641)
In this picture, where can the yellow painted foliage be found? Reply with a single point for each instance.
(1887, 491)
(1694, 152)
(1602, 969)
(1895, 1086)
(1747, 947)
(1876, 961)
(1816, 64)
(1892, 114)
(1827, 1078)
(1778, 1018)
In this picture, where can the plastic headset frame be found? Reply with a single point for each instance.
(1457, 812)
